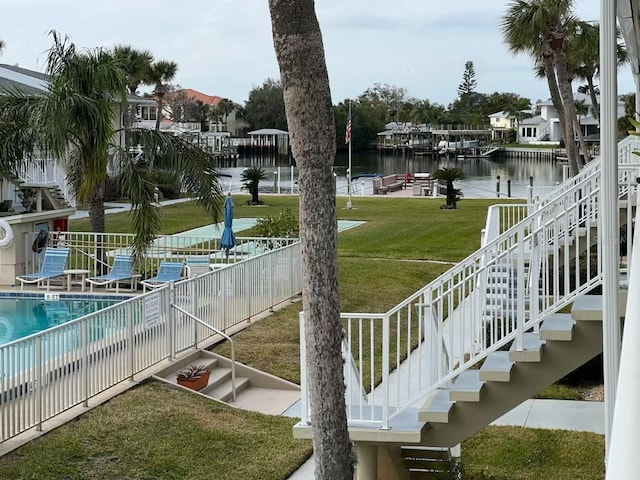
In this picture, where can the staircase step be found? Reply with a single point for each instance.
(496, 368)
(531, 349)
(208, 362)
(224, 392)
(436, 408)
(557, 327)
(466, 387)
(587, 308)
(217, 377)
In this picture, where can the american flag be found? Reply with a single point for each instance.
(347, 136)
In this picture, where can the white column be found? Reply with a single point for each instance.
(367, 466)
(608, 225)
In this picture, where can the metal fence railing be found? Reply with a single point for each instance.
(49, 372)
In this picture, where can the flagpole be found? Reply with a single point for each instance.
(349, 169)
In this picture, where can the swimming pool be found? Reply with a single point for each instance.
(22, 316)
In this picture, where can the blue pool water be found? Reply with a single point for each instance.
(21, 317)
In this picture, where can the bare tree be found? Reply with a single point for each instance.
(298, 44)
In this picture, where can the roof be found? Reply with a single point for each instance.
(268, 131)
(533, 121)
(502, 114)
(191, 94)
(28, 81)
(579, 97)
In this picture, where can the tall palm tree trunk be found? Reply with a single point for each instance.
(556, 99)
(564, 85)
(298, 44)
(595, 108)
(159, 114)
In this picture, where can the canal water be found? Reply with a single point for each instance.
(481, 174)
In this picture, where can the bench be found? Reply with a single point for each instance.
(388, 183)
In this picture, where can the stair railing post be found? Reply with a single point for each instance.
(520, 291)
(385, 372)
(304, 393)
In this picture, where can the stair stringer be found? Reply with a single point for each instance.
(559, 358)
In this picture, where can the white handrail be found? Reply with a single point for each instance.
(485, 301)
(222, 334)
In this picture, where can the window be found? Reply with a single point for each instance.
(148, 113)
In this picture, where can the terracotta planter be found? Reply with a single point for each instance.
(195, 383)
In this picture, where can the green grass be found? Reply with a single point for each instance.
(559, 392)
(157, 432)
(517, 453)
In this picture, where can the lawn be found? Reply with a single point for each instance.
(156, 431)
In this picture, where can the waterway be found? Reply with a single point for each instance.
(481, 174)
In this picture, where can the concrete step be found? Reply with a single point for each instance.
(437, 407)
(224, 391)
(467, 387)
(558, 327)
(208, 362)
(496, 368)
(589, 307)
(531, 349)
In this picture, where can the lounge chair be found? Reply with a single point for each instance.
(198, 265)
(52, 266)
(167, 273)
(121, 270)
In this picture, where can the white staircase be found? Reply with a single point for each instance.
(487, 335)
(48, 176)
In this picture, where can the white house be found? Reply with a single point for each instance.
(546, 127)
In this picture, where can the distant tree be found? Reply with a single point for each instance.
(389, 96)
(366, 121)
(265, 106)
(468, 84)
(450, 175)
(2, 46)
(225, 107)
(136, 65)
(160, 75)
(250, 180)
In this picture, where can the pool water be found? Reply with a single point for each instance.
(21, 317)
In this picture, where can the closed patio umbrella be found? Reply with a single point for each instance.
(228, 239)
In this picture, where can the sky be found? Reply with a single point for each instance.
(224, 47)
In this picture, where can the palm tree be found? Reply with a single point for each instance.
(298, 44)
(250, 180)
(160, 75)
(224, 108)
(450, 175)
(74, 121)
(136, 65)
(540, 28)
(584, 58)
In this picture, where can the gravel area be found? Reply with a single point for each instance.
(592, 393)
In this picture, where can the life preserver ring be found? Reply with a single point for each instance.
(40, 242)
(7, 240)
(6, 329)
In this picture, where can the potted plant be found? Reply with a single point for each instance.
(195, 377)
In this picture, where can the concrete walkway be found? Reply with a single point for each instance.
(117, 207)
(551, 414)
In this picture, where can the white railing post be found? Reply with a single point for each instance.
(39, 381)
(386, 338)
(84, 340)
(130, 345)
(520, 292)
(304, 392)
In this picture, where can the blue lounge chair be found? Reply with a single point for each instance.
(198, 265)
(52, 266)
(121, 270)
(167, 273)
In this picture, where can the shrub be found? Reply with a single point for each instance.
(283, 225)
(168, 183)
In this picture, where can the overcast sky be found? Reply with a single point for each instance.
(224, 47)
